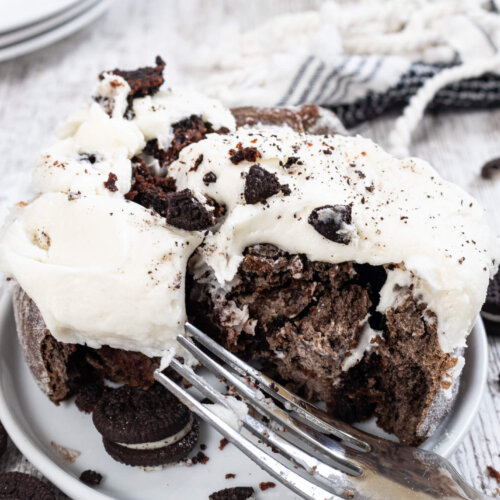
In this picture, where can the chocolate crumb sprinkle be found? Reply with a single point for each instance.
(223, 443)
(240, 154)
(110, 184)
(265, 485)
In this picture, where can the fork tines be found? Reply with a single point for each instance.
(305, 431)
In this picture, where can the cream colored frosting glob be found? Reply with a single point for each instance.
(106, 271)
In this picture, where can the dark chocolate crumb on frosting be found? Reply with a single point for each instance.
(491, 169)
(260, 185)
(187, 131)
(143, 81)
(330, 220)
(243, 154)
(91, 477)
(110, 184)
(148, 190)
(238, 493)
(186, 212)
(209, 178)
(197, 163)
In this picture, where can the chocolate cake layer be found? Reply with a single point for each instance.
(304, 320)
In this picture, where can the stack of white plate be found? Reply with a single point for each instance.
(28, 25)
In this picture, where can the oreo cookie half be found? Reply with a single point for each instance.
(145, 428)
(14, 485)
(3, 440)
(491, 307)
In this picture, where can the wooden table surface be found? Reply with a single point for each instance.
(38, 90)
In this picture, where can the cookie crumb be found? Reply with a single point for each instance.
(265, 485)
(230, 476)
(223, 443)
(91, 477)
(110, 184)
(200, 458)
(492, 472)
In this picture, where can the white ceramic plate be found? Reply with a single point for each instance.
(32, 422)
(19, 13)
(46, 25)
(83, 15)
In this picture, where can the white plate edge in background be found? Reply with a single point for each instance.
(56, 34)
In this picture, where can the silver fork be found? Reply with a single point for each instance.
(350, 465)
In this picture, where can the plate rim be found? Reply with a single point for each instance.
(57, 33)
(73, 487)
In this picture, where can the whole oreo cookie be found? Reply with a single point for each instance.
(3, 440)
(145, 428)
(491, 307)
(17, 485)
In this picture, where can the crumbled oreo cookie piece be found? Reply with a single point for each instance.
(149, 190)
(143, 81)
(3, 439)
(330, 222)
(240, 154)
(197, 163)
(187, 131)
(491, 169)
(88, 396)
(91, 477)
(260, 185)
(200, 458)
(238, 493)
(291, 160)
(209, 178)
(110, 183)
(492, 304)
(184, 211)
(21, 486)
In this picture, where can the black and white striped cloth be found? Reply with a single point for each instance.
(358, 89)
(360, 58)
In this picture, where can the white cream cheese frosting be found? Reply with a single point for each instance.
(106, 271)
(99, 139)
(403, 213)
(102, 271)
